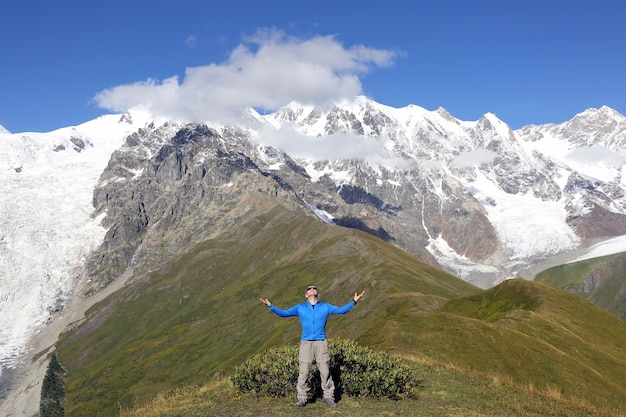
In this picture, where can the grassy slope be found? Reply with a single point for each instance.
(202, 317)
(608, 274)
(530, 332)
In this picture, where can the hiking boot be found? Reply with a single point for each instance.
(329, 402)
(301, 403)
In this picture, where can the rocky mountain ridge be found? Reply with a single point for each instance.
(469, 197)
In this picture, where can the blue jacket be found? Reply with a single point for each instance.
(313, 319)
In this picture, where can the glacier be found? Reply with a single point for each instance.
(47, 226)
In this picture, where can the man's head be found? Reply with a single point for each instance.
(311, 291)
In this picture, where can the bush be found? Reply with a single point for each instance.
(52, 390)
(357, 372)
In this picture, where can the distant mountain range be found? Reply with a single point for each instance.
(476, 198)
(132, 193)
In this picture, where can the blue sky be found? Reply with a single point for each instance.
(529, 62)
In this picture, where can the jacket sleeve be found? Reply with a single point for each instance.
(293, 311)
(341, 310)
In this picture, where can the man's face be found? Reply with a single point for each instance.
(311, 291)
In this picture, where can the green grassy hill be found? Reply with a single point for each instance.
(600, 280)
(201, 317)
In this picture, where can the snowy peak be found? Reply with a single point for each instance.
(596, 116)
(603, 126)
(405, 127)
(512, 174)
(490, 122)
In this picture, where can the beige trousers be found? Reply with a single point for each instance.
(317, 350)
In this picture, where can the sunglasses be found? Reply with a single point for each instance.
(311, 288)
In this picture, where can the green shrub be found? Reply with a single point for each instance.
(52, 390)
(357, 371)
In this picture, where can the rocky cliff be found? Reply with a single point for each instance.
(471, 197)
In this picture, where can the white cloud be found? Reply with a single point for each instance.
(597, 154)
(432, 164)
(476, 157)
(191, 41)
(334, 146)
(330, 147)
(266, 71)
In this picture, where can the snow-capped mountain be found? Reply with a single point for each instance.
(474, 197)
(47, 227)
(544, 190)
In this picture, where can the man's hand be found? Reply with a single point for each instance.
(267, 302)
(357, 297)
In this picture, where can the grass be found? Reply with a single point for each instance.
(448, 391)
(200, 316)
(600, 280)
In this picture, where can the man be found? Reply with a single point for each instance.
(313, 344)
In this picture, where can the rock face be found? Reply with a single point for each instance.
(450, 192)
(163, 196)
